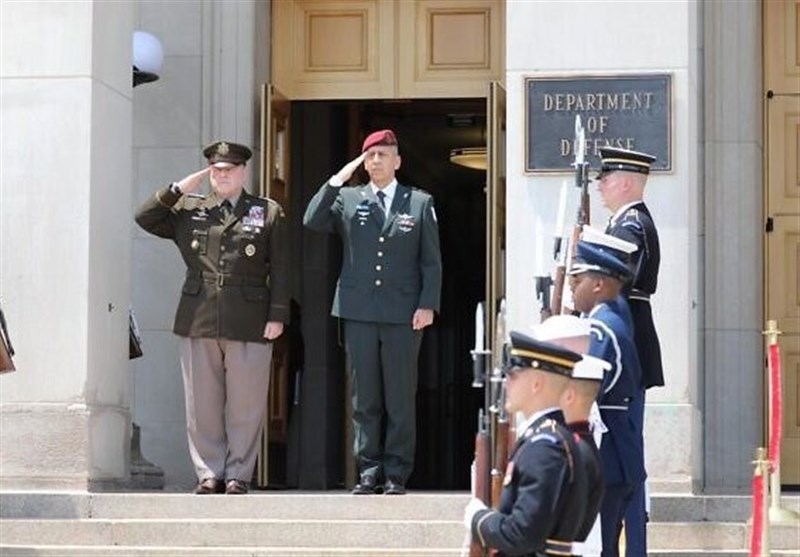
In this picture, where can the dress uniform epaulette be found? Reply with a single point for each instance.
(196, 195)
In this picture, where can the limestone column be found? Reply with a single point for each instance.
(65, 241)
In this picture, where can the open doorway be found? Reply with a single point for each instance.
(325, 135)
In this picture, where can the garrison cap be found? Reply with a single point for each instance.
(380, 137)
(602, 253)
(614, 158)
(224, 154)
(590, 368)
(526, 351)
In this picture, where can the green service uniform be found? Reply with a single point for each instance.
(391, 267)
(236, 281)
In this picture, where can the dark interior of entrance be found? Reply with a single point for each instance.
(324, 136)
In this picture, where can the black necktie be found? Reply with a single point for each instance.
(227, 209)
(382, 200)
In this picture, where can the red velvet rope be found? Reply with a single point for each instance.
(758, 516)
(777, 406)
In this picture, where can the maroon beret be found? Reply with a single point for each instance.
(380, 137)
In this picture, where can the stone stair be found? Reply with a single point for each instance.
(323, 524)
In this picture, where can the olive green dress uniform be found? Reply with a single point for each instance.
(391, 267)
(236, 281)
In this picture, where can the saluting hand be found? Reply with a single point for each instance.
(191, 183)
(347, 170)
(273, 330)
(422, 318)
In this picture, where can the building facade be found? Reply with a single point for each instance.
(81, 149)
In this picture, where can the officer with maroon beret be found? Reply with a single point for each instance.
(388, 292)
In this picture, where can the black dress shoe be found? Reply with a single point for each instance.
(209, 486)
(367, 486)
(235, 487)
(394, 486)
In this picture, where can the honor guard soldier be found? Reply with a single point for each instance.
(544, 489)
(622, 178)
(388, 292)
(597, 276)
(234, 303)
(582, 417)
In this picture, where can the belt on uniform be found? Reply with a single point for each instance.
(223, 279)
(557, 547)
(613, 406)
(639, 295)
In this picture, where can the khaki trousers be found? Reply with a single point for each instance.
(225, 385)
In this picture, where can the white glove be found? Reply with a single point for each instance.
(596, 424)
(473, 507)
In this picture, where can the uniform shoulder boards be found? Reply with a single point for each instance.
(544, 436)
(196, 195)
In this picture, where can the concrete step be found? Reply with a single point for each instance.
(256, 505)
(393, 534)
(235, 532)
(665, 507)
(117, 551)
(292, 523)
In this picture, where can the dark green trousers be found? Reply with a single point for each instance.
(383, 377)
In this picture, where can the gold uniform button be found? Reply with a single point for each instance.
(378, 268)
(381, 239)
(378, 282)
(222, 247)
(380, 254)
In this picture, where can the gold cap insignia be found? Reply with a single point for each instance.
(223, 148)
(250, 250)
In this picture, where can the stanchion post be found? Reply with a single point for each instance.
(759, 532)
(777, 514)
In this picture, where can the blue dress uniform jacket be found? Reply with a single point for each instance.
(236, 268)
(391, 266)
(636, 225)
(612, 340)
(544, 494)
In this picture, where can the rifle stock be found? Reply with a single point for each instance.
(480, 487)
(500, 461)
(491, 440)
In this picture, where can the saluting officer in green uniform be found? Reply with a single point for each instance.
(233, 304)
(388, 291)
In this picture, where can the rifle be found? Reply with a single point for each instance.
(6, 350)
(481, 467)
(564, 257)
(492, 439)
(501, 442)
(543, 287)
